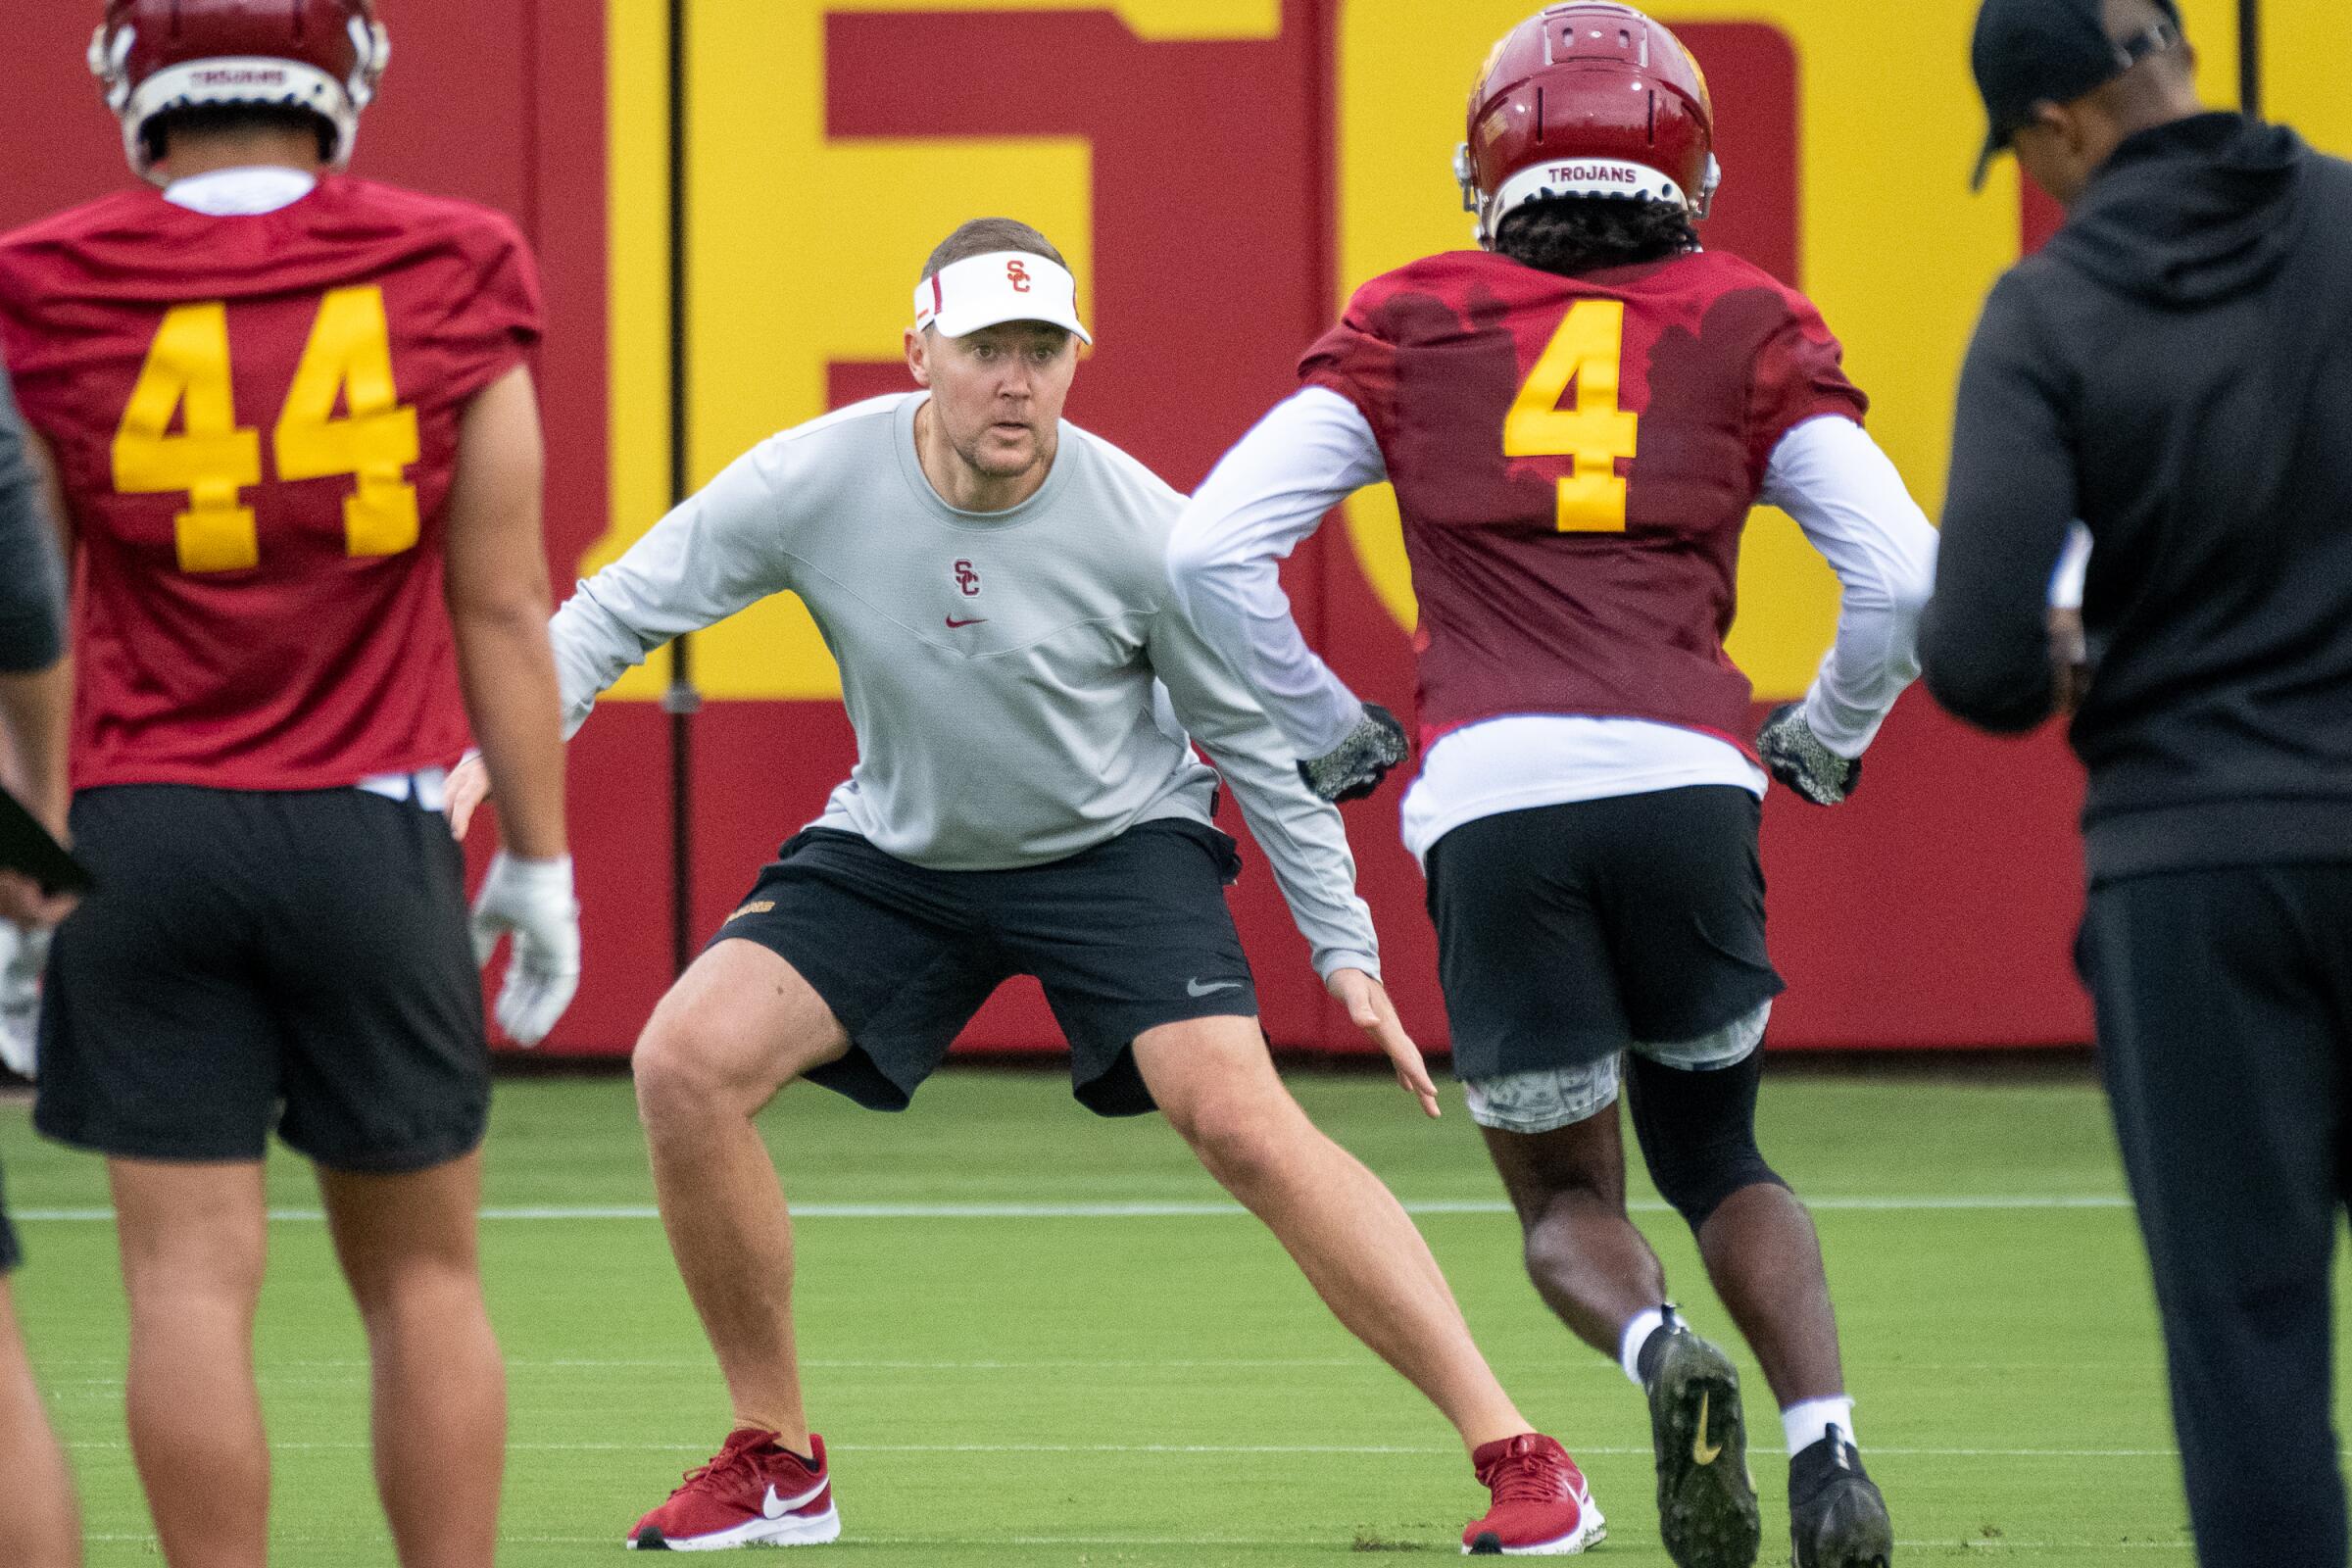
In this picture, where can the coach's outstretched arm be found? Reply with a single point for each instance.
(722, 551)
(1301, 835)
(498, 600)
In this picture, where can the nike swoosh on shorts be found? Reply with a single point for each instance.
(1196, 988)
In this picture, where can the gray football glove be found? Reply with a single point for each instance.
(1354, 767)
(1799, 759)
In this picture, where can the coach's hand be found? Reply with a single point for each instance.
(23, 954)
(1368, 1003)
(1354, 769)
(469, 787)
(1799, 758)
(533, 899)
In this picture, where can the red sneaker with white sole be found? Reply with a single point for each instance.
(752, 1493)
(1542, 1507)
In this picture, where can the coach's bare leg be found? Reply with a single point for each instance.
(407, 1245)
(37, 1524)
(1588, 1262)
(738, 1026)
(1765, 1260)
(193, 1238)
(1216, 1083)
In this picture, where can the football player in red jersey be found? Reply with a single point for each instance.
(300, 454)
(1577, 417)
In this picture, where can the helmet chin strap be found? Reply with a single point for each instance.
(1705, 203)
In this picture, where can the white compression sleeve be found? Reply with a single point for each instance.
(1851, 503)
(1269, 493)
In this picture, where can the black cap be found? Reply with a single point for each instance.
(2030, 52)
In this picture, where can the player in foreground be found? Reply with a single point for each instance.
(36, 1505)
(1025, 802)
(1587, 820)
(300, 454)
(2175, 370)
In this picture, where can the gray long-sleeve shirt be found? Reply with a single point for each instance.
(1020, 682)
(32, 586)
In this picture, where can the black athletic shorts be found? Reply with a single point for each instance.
(1568, 933)
(1125, 937)
(252, 958)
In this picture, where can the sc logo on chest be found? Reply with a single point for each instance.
(967, 583)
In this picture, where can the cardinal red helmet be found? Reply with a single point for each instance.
(156, 56)
(1588, 99)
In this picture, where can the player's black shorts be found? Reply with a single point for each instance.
(1568, 933)
(1130, 935)
(254, 959)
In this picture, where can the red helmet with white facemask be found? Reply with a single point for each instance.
(158, 56)
(1588, 99)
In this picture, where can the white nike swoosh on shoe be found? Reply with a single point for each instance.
(1196, 988)
(776, 1508)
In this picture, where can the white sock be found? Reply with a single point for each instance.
(1809, 1422)
(1636, 1334)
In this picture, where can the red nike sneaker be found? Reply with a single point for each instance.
(754, 1493)
(1542, 1507)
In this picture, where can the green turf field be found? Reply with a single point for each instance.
(1015, 1388)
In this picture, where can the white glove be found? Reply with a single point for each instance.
(533, 899)
(22, 955)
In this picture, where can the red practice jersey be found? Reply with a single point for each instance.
(256, 420)
(1575, 460)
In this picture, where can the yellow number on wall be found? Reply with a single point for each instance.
(1587, 349)
(350, 357)
(212, 459)
(347, 362)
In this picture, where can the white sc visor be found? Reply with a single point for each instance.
(1002, 286)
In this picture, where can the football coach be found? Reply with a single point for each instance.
(2175, 370)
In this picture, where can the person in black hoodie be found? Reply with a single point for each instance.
(2175, 370)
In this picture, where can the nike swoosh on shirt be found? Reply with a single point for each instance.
(776, 1508)
(1196, 988)
(957, 626)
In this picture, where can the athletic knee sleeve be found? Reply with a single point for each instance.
(1699, 1132)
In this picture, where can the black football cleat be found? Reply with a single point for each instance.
(1837, 1518)
(1706, 1498)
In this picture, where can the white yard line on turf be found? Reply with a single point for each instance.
(1153, 1209)
(1228, 1542)
(1211, 1450)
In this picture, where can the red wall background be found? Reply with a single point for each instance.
(1936, 910)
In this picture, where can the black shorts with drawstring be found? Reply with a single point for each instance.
(1124, 936)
